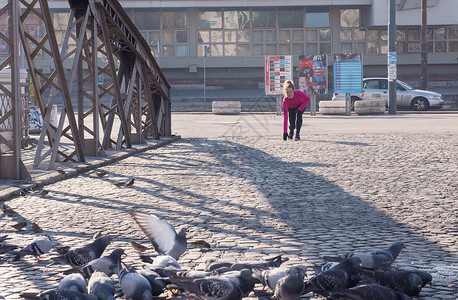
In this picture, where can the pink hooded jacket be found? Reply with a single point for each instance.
(299, 101)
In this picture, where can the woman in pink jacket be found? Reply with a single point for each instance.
(294, 104)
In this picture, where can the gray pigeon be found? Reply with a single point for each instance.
(157, 285)
(59, 294)
(270, 277)
(37, 247)
(407, 282)
(109, 264)
(243, 279)
(291, 286)
(344, 275)
(271, 263)
(134, 285)
(74, 282)
(374, 259)
(161, 234)
(209, 288)
(369, 292)
(86, 254)
(102, 286)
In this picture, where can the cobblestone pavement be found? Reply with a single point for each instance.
(255, 197)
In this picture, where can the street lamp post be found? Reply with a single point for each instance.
(392, 59)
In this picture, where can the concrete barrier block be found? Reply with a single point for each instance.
(375, 110)
(370, 103)
(226, 107)
(332, 110)
(332, 104)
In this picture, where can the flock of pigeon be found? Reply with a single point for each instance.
(357, 275)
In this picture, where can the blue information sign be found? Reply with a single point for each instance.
(348, 73)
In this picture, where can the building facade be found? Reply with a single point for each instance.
(238, 34)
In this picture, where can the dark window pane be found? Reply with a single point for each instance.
(146, 19)
(263, 18)
(439, 33)
(317, 17)
(182, 36)
(453, 46)
(453, 33)
(325, 48)
(174, 19)
(440, 47)
(290, 18)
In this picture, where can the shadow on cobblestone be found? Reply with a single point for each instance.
(248, 200)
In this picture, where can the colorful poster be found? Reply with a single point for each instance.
(313, 74)
(277, 70)
(348, 73)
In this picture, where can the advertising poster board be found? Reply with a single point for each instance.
(348, 73)
(277, 70)
(313, 74)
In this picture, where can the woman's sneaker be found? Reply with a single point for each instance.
(297, 138)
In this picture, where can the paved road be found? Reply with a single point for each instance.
(352, 183)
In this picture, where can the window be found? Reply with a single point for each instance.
(146, 19)
(317, 17)
(263, 18)
(290, 18)
(237, 19)
(173, 20)
(210, 19)
(349, 18)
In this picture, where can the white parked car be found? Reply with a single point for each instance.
(406, 96)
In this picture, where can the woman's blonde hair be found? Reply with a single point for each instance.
(288, 84)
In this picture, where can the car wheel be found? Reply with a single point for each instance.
(419, 104)
(353, 100)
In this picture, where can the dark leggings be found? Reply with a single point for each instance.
(295, 123)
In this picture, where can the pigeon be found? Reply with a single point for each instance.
(425, 276)
(200, 244)
(407, 282)
(374, 259)
(110, 264)
(138, 247)
(59, 294)
(101, 174)
(102, 286)
(37, 247)
(271, 263)
(369, 292)
(61, 172)
(134, 285)
(8, 211)
(19, 226)
(344, 275)
(119, 183)
(84, 255)
(36, 228)
(130, 182)
(270, 277)
(157, 285)
(209, 288)
(74, 282)
(243, 279)
(291, 286)
(164, 261)
(161, 234)
(43, 193)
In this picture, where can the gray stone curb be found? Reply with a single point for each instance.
(75, 170)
